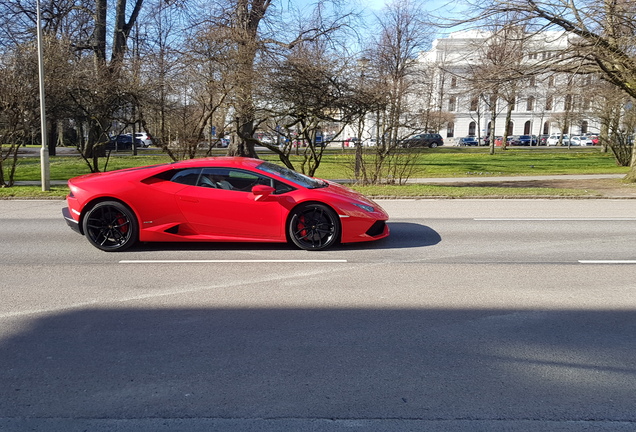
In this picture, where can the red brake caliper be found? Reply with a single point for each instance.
(301, 226)
(123, 226)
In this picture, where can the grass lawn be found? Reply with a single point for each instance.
(336, 164)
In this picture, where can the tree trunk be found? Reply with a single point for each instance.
(631, 175)
(248, 16)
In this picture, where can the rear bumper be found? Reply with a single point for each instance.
(70, 221)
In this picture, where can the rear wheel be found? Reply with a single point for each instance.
(111, 226)
(314, 227)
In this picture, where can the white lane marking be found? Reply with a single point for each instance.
(232, 261)
(107, 302)
(607, 261)
(558, 219)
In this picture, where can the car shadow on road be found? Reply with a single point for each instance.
(403, 236)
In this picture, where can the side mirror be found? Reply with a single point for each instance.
(261, 192)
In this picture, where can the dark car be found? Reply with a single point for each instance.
(431, 140)
(521, 140)
(527, 140)
(469, 141)
(122, 142)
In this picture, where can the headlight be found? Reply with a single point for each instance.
(365, 207)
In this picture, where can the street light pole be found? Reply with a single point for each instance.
(44, 151)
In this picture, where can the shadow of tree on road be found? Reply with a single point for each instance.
(322, 363)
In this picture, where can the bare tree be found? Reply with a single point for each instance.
(602, 36)
(254, 36)
(307, 92)
(498, 74)
(17, 108)
(394, 83)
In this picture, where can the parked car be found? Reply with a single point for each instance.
(522, 140)
(145, 138)
(350, 142)
(370, 142)
(219, 199)
(594, 139)
(555, 138)
(122, 142)
(431, 140)
(543, 138)
(581, 140)
(512, 140)
(468, 141)
(529, 140)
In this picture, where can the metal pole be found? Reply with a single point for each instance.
(44, 151)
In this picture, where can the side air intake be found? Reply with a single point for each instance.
(376, 229)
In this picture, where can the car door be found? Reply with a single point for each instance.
(228, 208)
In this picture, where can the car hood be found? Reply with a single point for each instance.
(339, 190)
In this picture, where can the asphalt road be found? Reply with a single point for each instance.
(474, 315)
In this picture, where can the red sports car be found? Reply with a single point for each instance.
(219, 199)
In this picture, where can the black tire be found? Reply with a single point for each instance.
(111, 226)
(432, 145)
(314, 227)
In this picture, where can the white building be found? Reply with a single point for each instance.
(542, 102)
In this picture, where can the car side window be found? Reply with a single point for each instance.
(187, 176)
(216, 178)
(238, 180)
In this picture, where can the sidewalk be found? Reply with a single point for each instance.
(516, 178)
(479, 179)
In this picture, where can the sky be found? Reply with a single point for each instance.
(446, 9)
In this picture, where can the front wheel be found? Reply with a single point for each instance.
(111, 226)
(314, 227)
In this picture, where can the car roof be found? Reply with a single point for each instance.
(225, 161)
(151, 170)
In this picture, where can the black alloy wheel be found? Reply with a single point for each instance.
(111, 226)
(314, 227)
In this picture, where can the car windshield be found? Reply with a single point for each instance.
(292, 176)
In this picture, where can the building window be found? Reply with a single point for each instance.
(533, 81)
(472, 129)
(567, 105)
(474, 101)
(584, 126)
(527, 128)
(548, 103)
(510, 128)
(546, 128)
(452, 103)
(551, 81)
(450, 130)
(530, 103)
(453, 82)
